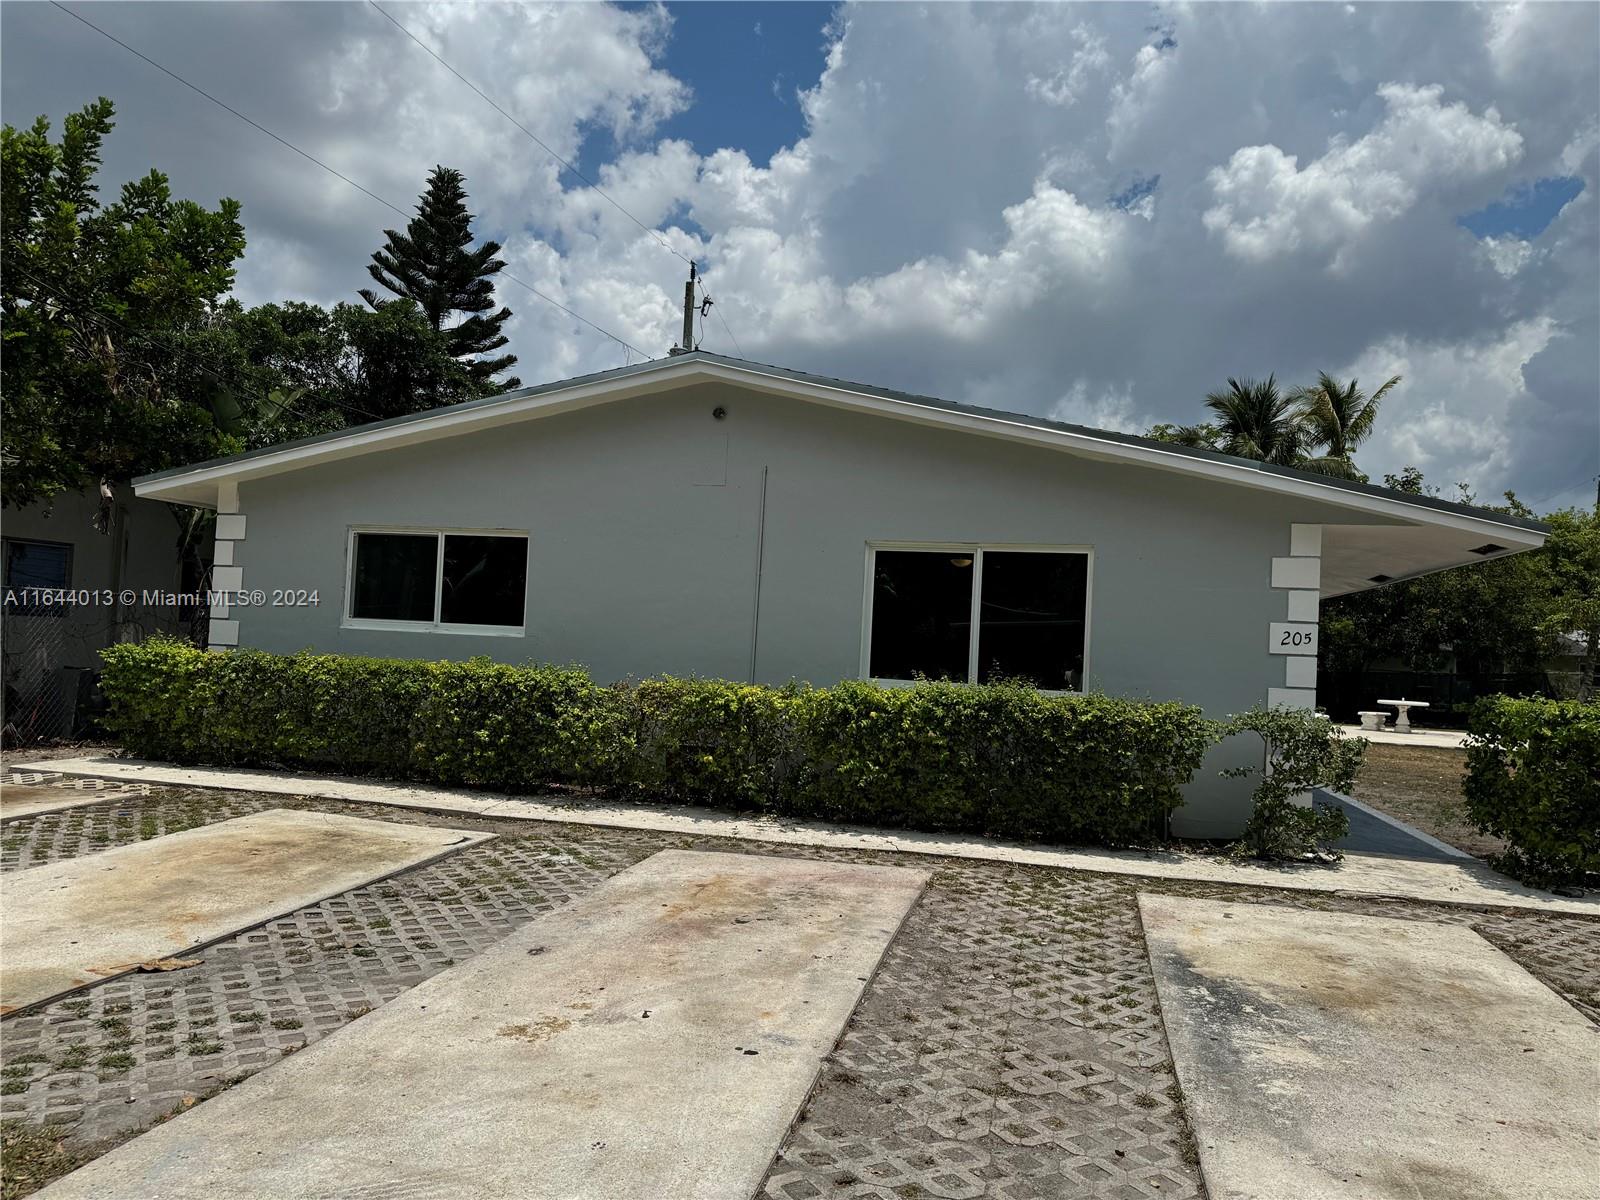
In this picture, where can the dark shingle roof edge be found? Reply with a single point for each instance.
(866, 389)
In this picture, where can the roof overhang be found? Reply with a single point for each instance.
(1389, 534)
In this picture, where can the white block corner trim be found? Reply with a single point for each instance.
(223, 633)
(1295, 699)
(1304, 605)
(227, 579)
(222, 554)
(230, 527)
(1297, 573)
(1300, 672)
(1305, 541)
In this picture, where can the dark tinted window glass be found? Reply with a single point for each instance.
(30, 565)
(484, 579)
(38, 564)
(1031, 618)
(394, 576)
(921, 614)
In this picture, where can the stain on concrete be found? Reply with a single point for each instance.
(1359, 1058)
(611, 1103)
(536, 1031)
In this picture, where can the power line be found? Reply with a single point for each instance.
(722, 319)
(337, 174)
(487, 99)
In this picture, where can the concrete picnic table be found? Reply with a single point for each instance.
(1402, 708)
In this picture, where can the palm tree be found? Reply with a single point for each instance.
(1258, 421)
(1337, 419)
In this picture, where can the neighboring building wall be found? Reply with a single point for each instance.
(46, 650)
(645, 518)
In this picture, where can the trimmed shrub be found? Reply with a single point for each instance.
(997, 759)
(1303, 750)
(1002, 759)
(706, 741)
(1533, 778)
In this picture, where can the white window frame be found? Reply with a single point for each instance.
(436, 625)
(976, 551)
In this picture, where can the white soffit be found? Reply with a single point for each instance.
(1352, 555)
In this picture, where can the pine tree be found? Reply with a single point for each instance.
(432, 263)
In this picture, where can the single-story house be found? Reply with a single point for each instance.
(82, 571)
(711, 516)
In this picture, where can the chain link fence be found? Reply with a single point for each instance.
(50, 661)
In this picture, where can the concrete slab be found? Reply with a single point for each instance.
(1466, 882)
(36, 799)
(651, 1040)
(82, 920)
(1441, 739)
(1360, 1058)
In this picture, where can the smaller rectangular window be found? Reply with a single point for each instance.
(34, 566)
(438, 579)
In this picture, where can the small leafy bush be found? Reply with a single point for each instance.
(1533, 778)
(996, 759)
(1304, 750)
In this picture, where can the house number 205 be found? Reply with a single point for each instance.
(1292, 637)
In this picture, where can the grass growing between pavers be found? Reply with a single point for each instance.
(1011, 1030)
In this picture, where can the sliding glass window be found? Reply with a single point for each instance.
(978, 614)
(438, 579)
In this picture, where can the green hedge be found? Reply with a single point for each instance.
(1533, 778)
(1001, 760)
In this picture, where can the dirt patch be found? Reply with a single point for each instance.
(1421, 785)
(31, 1156)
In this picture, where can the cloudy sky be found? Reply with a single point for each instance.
(1096, 212)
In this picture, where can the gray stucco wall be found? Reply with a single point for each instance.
(44, 651)
(643, 520)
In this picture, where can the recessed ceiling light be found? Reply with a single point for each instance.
(1380, 578)
(1487, 548)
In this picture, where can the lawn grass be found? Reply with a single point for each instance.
(1421, 785)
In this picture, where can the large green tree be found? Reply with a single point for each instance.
(433, 264)
(1572, 558)
(1337, 418)
(312, 370)
(92, 299)
(1256, 420)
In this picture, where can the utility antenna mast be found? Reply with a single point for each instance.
(688, 316)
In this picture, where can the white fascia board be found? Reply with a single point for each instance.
(1112, 450)
(185, 488)
(189, 486)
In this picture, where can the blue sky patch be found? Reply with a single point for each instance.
(745, 62)
(1136, 191)
(1526, 211)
